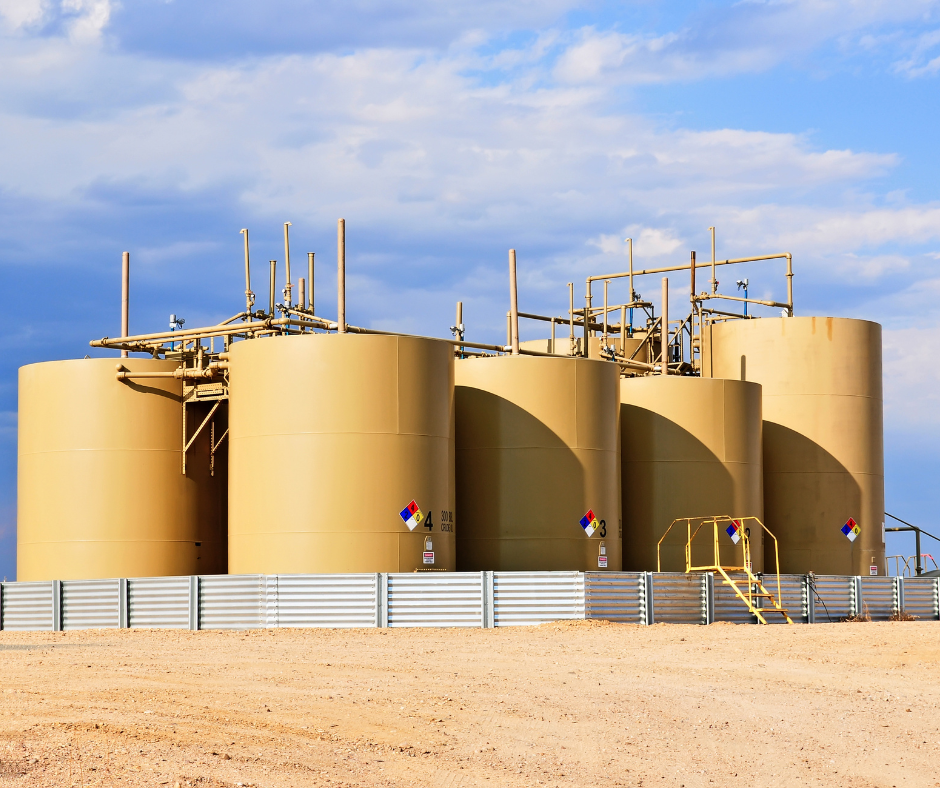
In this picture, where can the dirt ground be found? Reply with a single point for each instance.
(565, 704)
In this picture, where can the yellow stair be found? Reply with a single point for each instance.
(755, 590)
(752, 596)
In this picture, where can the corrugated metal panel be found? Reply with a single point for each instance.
(27, 607)
(879, 597)
(326, 600)
(90, 604)
(920, 597)
(231, 602)
(271, 611)
(537, 597)
(792, 597)
(615, 596)
(837, 593)
(679, 598)
(728, 606)
(158, 602)
(445, 599)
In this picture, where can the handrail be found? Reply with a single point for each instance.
(717, 566)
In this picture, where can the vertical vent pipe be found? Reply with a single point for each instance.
(570, 318)
(287, 287)
(341, 276)
(513, 303)
(271, 298)
(309, 304)
(714, 277)
(249, 296)
(664, 329)
(125, 296)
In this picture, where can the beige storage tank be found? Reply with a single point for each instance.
(537, 450)
(100, 488)
(691, 447)
(823, 434)
(332, 437)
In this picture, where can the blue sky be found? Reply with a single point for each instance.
(447, 133)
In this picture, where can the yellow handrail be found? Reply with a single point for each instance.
(715, 521)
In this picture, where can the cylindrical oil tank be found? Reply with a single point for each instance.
(823, 434)
(691, 447)
(537, 458)
(332, 438)
(100, 486)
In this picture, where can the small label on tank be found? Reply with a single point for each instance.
(412, 515)
(589, 522)
(602, 562)
(428, 557)
(873, 570)
(851, 530)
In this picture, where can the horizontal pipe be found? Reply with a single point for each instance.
(625, 362)
(745, 300)
(179, 374)
(307, 315)
(191, 333)
(563, 320)
(135, 343)
(685, 267)
(454, 342)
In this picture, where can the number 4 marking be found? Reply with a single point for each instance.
(428, 523)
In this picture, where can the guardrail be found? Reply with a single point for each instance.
(445, 599)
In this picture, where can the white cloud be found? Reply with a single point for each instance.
(83, 20)
(650, 242)
(872, 267)
(919, 62)
(414, 145)
(749, 37)
(912, 388)
(88, 18)
(837, 229)
(19, 14)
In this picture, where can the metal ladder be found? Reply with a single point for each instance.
(756, 592)
(752, 596)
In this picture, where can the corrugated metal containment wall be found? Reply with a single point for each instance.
(921, 597)
(232, 602)
(349, 600)
(835, 597)
(27, 607)
(92, 604)
(470, 599)
(680, 598)
(727, 605)
(794, 596)
(159, 602)
(536, 597)
(616, 596)
(880, 597)
(445, 599)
